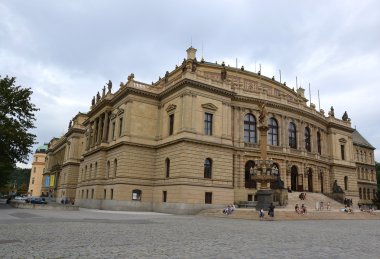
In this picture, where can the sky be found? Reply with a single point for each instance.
(66, 51)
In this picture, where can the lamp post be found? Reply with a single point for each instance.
(264, 171)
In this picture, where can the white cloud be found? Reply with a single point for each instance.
(67, 51)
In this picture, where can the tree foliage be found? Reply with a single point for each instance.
(376, 199)
(16, 119)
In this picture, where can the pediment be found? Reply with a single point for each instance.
(209, 106)
(171, 107)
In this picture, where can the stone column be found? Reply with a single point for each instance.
(105, 127)
(92, 133)
(99, 130)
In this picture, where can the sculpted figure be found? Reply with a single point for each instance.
(223, 74)
(97, 97)
(109, 86)
(331, 112)
(263, 113)
(93, 100)
(345, 116)
(337, 188)
(104, 91)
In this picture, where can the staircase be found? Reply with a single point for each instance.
(310, 201)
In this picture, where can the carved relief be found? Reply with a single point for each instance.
(209, 106)
(171, 107)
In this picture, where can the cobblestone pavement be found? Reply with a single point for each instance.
(86, 233)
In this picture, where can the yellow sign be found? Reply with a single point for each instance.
(52, 178)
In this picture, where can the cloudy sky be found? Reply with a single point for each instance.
(67, 50)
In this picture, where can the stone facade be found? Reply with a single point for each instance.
(365, 169)
(36, 175)
(188, 142)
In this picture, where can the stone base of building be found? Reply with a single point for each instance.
(170, 208)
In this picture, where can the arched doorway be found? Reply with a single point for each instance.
(309, 180)
(293, 178)
(248, 180)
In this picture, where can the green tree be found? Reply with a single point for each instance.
(16, 118)
(376, 200)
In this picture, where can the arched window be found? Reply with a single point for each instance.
(96, 169)
(249, 183)
(167, 167)
(368, 194)
(273, 132)
(85, 173)
(292, 135)
(319, 143)
(136, 195)
(345, 183)
(90, 175)
(365, 157)
(361, 155)
(207, 168)
(366, 174)
(108, 168)
(307, 139)
(364, 194)
(249, 128)
(360, 193)
(114, 167)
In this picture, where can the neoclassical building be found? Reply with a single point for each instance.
(189, 141)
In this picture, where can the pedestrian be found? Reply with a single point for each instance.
(261, 214)
(271, 210)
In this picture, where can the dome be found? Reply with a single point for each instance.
(42, 149)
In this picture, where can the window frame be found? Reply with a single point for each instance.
(307, 139)
(273, 132)
(207, 168)
(208, 123)
(250, 128)
(292, 132)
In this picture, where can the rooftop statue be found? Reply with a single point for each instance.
(345, 116)
(331, 112)
(109, 84)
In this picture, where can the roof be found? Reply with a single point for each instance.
(359, 140)
(42, 149)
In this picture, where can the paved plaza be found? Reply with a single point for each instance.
(26, 233)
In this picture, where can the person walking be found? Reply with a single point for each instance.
(271, 210)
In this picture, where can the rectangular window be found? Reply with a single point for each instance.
(87, 194)
(92, 193)
(34, 170)
(82, 193)
(250, 197)
(113, 130)
(208, 124)
(105, 194)
(164, 196)
(33, 180)
(171, 124)
(120, 126)
(111, 194)
(208, 197)
(342, 151)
